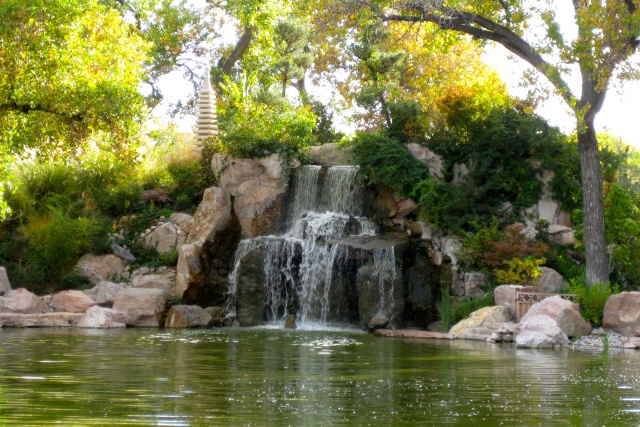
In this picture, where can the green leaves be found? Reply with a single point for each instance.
(71, 69)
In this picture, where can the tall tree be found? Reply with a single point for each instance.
(292, 45)
(69, 71)
(608, 35)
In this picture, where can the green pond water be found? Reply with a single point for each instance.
(261, 377)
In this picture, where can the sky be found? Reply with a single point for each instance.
(620, 114)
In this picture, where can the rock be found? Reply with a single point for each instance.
(271, 166)
(43, 320)
(378, 322)
(376, 299)
(404, 207)
(100, 267)
(22, 301)
(329, 155)
(143, 306)
(104, 293)
(384, 205)
(290, 323)
(166, 281)
(415, 228)
(212, 217)
(251, 291)
(71, 302)
(182, 220)
(432, 160)
(219, 316)
(187, 316)
(505, 295)
(164, 238)
(259, 207)
(410, 333)
(540, 331)
(481, 322)
(473, 282)
(102, 317)
(259, 188)
(189, 271)
(549, 282)
(622, 314)
(457, 284)
(568, 239)
(564, 312)
(5, 286)
(121, 252)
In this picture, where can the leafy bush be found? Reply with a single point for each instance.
(490, 246)
(592, 298)
(57, 241)
(519, 271)
(504, 151)
(386, 160)
(255, 129)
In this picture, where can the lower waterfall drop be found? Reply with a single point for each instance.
(301, 272)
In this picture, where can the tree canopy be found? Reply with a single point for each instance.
(68, 71)
(608, 35)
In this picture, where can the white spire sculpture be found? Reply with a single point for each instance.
(206, 118)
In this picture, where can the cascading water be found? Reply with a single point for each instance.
(299, 265)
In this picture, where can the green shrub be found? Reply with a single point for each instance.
(255, 129)
(592, 298)
(519, 271)
(467, 305)
(386, 160)
(56, 241)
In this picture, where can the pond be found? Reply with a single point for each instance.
(262, 377)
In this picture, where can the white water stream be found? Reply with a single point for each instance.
(327, 206)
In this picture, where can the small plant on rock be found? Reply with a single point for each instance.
(592, 298)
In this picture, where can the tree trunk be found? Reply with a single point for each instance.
(594, 238)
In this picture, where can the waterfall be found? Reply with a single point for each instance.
(327, 206)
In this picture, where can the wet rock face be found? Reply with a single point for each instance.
(422, 281)
(204, 262)
(251, 292)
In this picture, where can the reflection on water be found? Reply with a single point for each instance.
(256, 377)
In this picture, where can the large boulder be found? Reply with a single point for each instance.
(251, 294)
(102, 317)
(473, 283)
(143, 306)
(183, 220)
(259, 188)
(622, 314)
(433, 161)
(71, 302)
(187, 316)
(212, 217)
(23, 302)
(5, 286)
(166, 281)
(505, 295)
(540, 331)
(164, 238)
(481, 323)
(564, 312)
(104, 293)
(189, 271)
(329, 155)
(101, 267)
(549, 281)
(380, 296)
